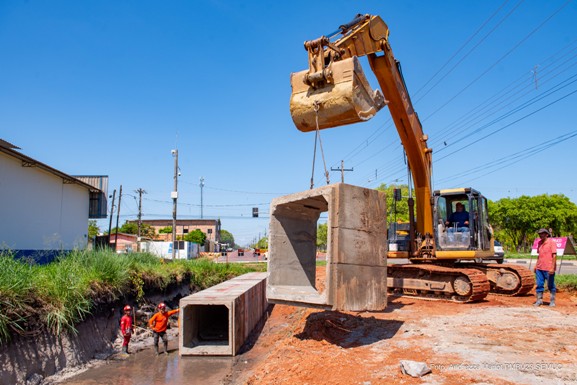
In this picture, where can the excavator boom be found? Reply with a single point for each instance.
(334, 92)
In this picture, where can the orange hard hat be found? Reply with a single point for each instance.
(127, 308)
(161, 305)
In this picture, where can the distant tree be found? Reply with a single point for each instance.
(262, 243)
(226, 237)
(516, 220)
(322, 233)
(129, 228)
(93, 229)
(196, 236)
(147, 231)
(165, 230)
(402, 207)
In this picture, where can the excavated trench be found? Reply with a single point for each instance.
(42, 358)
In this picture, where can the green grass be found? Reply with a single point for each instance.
(566, 282)
(529, 256)
(59, 295)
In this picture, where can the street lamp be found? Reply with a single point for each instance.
(174, 196)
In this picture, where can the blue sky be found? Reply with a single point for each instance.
(111, 87)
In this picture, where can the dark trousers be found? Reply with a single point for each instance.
(161, 335)
(542, 276)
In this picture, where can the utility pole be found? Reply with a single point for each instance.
(140, 192)
(117, 217)
(201, 187)
(174, 196)
(342, 170)
(111, 215)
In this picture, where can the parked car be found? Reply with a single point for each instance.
(499, 256)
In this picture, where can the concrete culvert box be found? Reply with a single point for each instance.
(205, 325)
(356, 249)
(217, 321)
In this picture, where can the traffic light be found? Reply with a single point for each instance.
(397, 194)
(255, 212)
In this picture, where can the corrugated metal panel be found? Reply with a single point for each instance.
(97, 181)
(98, 199)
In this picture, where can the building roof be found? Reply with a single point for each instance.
(9, 149)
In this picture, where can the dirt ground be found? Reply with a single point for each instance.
(502, 340)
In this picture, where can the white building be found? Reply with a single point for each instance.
(184, 249)
(43, 211)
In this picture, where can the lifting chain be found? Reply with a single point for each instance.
(316, 105)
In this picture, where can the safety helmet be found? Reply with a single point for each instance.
(161, 306)
(127, 308)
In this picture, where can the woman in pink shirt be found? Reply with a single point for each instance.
(545, 267)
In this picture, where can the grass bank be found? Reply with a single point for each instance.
(59, 295)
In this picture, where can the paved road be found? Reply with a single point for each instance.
(563, 267)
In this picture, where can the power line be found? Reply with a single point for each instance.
(474, 47)
(509, 125)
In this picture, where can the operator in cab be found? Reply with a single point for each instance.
(458, 221)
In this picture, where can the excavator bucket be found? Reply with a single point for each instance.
(347, 99)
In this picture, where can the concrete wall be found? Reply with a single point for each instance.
(39, 211)
(356, 255)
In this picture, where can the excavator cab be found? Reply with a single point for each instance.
(462, 221)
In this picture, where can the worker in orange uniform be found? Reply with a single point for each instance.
(126, 328)
(158, 324)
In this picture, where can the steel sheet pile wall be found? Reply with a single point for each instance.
(218, 320)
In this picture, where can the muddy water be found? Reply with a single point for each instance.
(146, 368)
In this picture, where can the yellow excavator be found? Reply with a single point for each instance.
(448, 234)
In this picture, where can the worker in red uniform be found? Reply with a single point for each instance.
(158, 323)
(126, 328)
(545, 267)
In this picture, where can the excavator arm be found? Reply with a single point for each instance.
(334, 92)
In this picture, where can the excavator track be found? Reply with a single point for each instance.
(507, 279)
(436, 282)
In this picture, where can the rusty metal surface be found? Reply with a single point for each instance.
(524, 277)
(436, 282)
(347, 99)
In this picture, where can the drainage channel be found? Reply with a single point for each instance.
(213, 325)
(145, 368)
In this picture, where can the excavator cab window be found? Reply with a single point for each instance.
(457, 222)
(462, 221)
(483, 229)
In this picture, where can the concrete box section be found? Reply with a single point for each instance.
(217, 321)
(356, 275)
